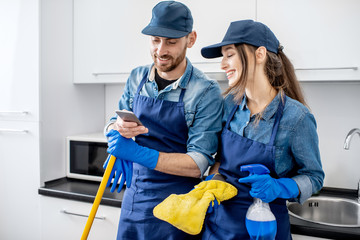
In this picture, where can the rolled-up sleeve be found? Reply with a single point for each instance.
(204, 132)
(200, 160)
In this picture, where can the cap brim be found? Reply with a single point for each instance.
(163, 32)
(214, 51)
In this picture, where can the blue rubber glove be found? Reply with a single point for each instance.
(127, 149)
(121, 168)
(214, 204)
(268, 189)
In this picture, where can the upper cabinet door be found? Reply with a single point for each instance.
(211, 20)
(19, 60)
(108, 42)
(320, 37)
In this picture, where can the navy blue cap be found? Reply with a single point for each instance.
(170, 19)
(244, 31)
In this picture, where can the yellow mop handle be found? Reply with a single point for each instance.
(98, 197)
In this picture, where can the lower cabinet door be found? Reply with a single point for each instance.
(19, 179)
(66, 219)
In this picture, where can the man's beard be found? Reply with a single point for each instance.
(173, 63)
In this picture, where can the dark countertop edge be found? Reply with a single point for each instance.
(48, 190)
(78, 197)
(323, 233)
(340, 192)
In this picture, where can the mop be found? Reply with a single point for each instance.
(98, 197)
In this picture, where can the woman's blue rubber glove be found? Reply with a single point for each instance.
(121, 168)
(127, 149)
(268, 189)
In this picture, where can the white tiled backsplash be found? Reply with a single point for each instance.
(336, 106)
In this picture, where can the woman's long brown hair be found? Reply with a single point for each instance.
(278, 69)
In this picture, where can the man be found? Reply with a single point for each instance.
(181, 111)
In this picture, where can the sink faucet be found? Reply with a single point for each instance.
(349, 136)
(347, 146)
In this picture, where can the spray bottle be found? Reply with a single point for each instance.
(260, 221)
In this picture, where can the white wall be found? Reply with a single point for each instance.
(65, 108)
(335, 106)
(336, 109)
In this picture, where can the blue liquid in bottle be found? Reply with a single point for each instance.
(261, 230)
(260, 221)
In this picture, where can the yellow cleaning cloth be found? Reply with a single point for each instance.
(187, 211)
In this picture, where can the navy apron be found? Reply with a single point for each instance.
(168, 132)
(228, 221)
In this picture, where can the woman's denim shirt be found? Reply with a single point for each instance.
(203, 106)
(297, 153)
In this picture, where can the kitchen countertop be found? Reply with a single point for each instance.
(82, 190)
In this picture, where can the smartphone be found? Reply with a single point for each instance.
(128, 116)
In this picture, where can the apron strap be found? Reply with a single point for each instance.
(182, 95)
(231, 115)
(278, 116)
(143, 81)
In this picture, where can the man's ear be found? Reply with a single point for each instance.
(191, 39)
(260, 54)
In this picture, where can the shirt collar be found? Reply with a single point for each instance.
(181, 82)
(243, 104)
(269, 111)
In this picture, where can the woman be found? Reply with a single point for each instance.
(266, 121)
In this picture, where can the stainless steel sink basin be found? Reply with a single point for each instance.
(332, 211)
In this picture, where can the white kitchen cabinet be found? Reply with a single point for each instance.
(320, 37)
(19, 178)
(108, 42)
(61, 220)
(211, 20)
(19, 60)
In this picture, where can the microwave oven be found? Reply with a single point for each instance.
(85, 156)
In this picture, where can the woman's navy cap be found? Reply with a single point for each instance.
(170, 19)
(244, 31)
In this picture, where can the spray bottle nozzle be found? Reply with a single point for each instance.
(255, 169)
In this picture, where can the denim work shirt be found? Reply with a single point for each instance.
(203, 105)
(297, 154)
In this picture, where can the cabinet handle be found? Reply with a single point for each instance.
(110, 73)
(80, 215)
(201, 63)
(300, 69)
(13, 130)
(327, 68)
(15, 112)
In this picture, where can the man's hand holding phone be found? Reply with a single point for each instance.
(128, 124)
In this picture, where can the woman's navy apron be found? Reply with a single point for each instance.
(168, 132)
(228, 221)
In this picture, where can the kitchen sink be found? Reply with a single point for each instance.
(332, 211)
